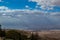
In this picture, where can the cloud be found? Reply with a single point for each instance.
(28, 19)
(27, 6)
(47, 4)
(17, 13)
(55, 14)
(3, 8)
(57, 2)
(6, 9)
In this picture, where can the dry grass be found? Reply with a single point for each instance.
(45, 35)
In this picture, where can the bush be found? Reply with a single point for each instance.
(12, 34)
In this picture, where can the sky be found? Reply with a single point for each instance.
(42, 5)
(30, 14)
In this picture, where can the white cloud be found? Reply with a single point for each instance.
(6, 9)
(27, 6)
(47, 4)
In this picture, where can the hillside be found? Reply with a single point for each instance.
(32, 35)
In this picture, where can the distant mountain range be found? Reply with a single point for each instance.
(30, 20)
